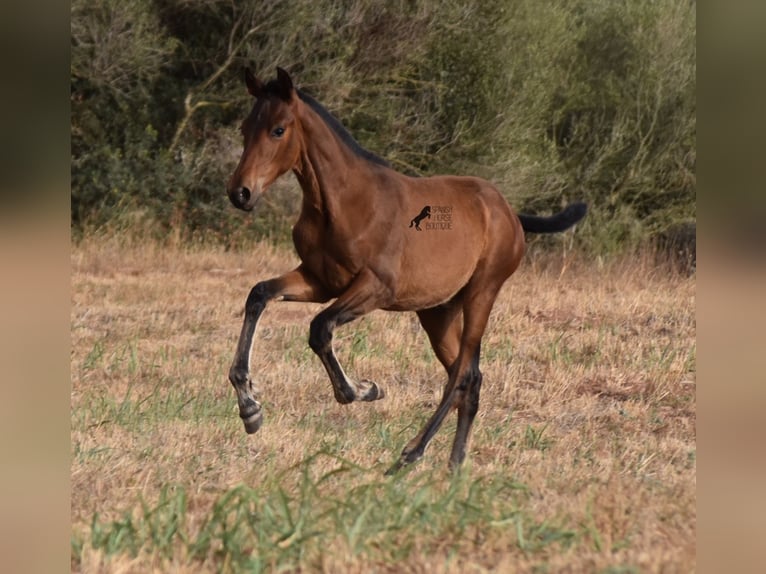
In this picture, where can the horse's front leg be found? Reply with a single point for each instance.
(366, 293)
(297, 285)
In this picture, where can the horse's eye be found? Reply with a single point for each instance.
(278, 132)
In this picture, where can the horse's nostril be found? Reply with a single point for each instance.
(241, 197)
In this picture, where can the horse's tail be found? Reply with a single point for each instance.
(554, 223)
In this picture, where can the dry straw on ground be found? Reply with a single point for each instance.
(587, 415)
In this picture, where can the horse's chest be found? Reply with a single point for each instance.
(333, 266)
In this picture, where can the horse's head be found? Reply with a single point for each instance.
(271, 139)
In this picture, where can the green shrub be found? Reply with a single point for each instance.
(553, 101)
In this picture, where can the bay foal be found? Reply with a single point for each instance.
(357, 248)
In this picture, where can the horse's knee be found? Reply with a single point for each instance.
(320, 334)
(257, 299)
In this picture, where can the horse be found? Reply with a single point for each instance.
(357, 250)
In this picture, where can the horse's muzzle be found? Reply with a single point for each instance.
(241, 198)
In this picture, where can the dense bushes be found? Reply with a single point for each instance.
(552, 100)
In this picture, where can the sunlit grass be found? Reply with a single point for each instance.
(583, 453)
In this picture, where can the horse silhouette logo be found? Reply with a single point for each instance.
(425, 212)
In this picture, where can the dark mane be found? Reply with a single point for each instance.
(342, 132)
(272, 87)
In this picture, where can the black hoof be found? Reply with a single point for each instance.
(253, 423)
(397, 466)
(406, 459)
(252, 417)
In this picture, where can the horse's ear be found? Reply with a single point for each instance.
(285, 85)
(254, 85)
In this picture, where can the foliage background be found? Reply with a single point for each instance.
(554, 101)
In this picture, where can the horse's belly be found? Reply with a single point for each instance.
(434, 275)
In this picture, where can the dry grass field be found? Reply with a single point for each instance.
(582, 459)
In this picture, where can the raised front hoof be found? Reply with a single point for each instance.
(252, 418)
(364, 390)
(369, 391)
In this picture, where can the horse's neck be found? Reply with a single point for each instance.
(324, 165)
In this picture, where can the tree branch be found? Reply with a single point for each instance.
(191, 107)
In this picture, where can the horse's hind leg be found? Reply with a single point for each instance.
(467, 403)
(297, 285)
(443, 325)
(462, 389)
(365, 294)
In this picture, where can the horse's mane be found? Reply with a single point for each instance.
(341, 131)
(273, 87)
